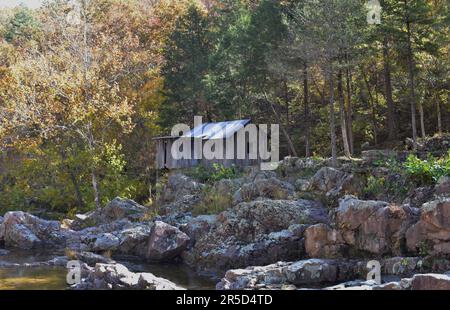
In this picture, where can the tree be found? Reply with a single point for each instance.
(330, 30)
(22, 27)
(186, 64)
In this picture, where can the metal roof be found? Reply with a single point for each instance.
(220, 130)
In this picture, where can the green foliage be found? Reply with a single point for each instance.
(45, 179)
(375, 186)
(212, 202)
(427, 171)
(392, 185)
(186, 55)
(425, 248)
(22, 27)
(213, 173)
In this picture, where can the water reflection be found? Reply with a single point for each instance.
(54, 278)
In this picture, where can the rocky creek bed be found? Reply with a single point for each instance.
(281, 230)
(47, 269)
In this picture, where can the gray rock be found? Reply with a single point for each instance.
(148, 281)
(321, 241)
(334, 183)
(106, 242)
(23, 230)
(373, 226)
(291, 166)
(305, 272)
(302, 185)
(116, 209)
(20, 236)
(255, 233)
(117, 276)
(430, 281)
(197, 227)
(272, 188)
(431, 234)
(179, 185)
(181, 205)
(166, 242)
(311, 271)
(92, 259)
(134, 240)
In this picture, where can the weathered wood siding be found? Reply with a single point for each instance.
(164, 157)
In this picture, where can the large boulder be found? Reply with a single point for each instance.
(430, 281)
(181, 205)
(418, 196)
(116, 209)
(258, 232)
(431, 234)
(272, 188)
(248, 220)
(197, 227)
(134, 240)
(333, 183)
(322, 241)
(373, 226)
(121, 236)
(117, 276)
(179, 185)
(166, 242)
(320, 272)
(276, 276)
(23, 230)
(294, 166)
(106, 242)
(231, 253)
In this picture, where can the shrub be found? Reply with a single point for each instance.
(212, 202)
(427, 171)
(214, 173)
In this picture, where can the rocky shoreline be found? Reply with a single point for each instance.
(303, 231)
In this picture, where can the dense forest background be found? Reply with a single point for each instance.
(86, 84)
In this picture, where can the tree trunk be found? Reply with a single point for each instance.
(422, 121)
(95, 186)
(372, 107)
(343, 116)
(307, 111)
(90, 135)
(286, 100)
(332, 120)
(391, 117)
(439, 116)
(349, 110)
(285, 133)
(96, 190)
(74, 181)
(412, 96)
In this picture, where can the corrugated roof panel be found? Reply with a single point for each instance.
(220, 130)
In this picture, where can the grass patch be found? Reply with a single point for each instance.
(212, 202)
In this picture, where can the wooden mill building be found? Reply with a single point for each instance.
(225, 132)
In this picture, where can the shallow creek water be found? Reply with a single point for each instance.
(54, 278)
